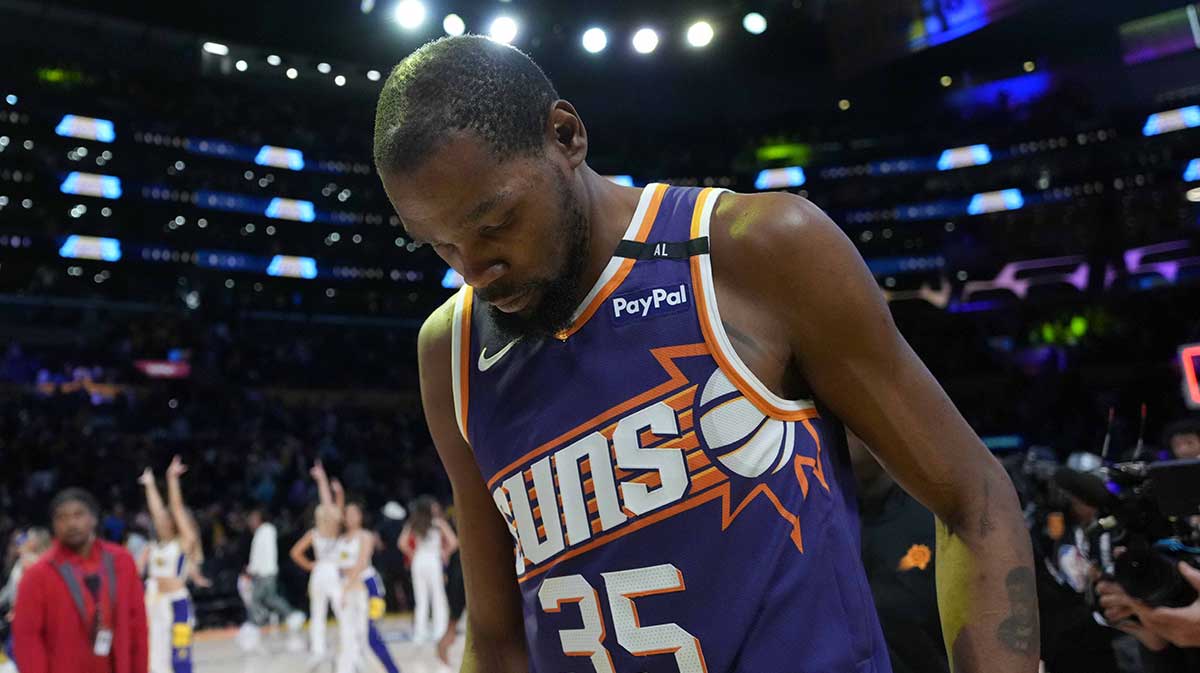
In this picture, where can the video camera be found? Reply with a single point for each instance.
(1143, 526)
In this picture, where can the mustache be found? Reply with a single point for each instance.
(493, 292)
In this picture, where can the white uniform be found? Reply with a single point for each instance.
(361, 606)
(352, 623)
(429, 588)
(324, 589)
(169, 614)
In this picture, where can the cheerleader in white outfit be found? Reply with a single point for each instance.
(174, 555)
(324, 584)
(432, 541)
(363, 602)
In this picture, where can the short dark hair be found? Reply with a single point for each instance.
(74, 495)
(1186, 426)
(469, 83)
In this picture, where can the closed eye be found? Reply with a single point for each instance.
(493, 229)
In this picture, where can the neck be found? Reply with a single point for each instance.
(84, 549)
(609, 208)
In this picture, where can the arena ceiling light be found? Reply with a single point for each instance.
(595, 40)
(454, 25)
(216, 48)
(503, 29)
(292, 73)
(340, 80)
(700, 34)
(754, 23)
(409, 14)
(241, 66)
(324, 68)
(274, 60)
(373, 75)
(645, 40)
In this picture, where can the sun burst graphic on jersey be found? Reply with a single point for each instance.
(661, 453)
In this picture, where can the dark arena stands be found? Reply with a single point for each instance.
(198, 259)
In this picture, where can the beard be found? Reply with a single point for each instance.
(558, 295)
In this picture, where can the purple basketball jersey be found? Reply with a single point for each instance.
(668, 511)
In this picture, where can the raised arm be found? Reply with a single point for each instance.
(189, 537)
(322, 479)
(154, 502)
(495, 626)
(339, 497)
(785, 253)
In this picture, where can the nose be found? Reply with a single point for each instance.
(480, 271)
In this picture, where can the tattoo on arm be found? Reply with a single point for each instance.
(742, 338)
(1019, 632)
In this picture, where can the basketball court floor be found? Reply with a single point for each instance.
(217, 651)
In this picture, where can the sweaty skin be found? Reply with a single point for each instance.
(804, 314)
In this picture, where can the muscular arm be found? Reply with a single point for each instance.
(841, 336)
(495, 630)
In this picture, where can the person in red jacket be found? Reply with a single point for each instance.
(81, 607)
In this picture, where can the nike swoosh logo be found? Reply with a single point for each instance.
(486, 363)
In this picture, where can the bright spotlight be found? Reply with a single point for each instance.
(323, 68)
(454, 25)
(503, 29)
(241, 66)
(700, 34)
(373, 75)
(292, 73)
(216, 48)
(340, 80)
(595, 40)
(410, 14)
(754, 23)
(274, 60)
(645, 40)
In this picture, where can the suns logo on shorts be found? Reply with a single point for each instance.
(661, 453)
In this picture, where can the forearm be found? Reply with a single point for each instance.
(175, 496)
(323, 492)
(986, 589)
(158, 510)
(489, 655)
(179, 515)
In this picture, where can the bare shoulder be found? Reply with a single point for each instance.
(756, 238)
(434, 339)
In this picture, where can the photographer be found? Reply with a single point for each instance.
(1183, 438)
(1170, 636)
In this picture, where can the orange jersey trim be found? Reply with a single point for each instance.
(714, 345)
(464, 366)
(626, 266)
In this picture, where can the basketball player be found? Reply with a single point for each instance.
(432, 542)
(174, 554)
(324, 586)
(362, 597)
(640, 392)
